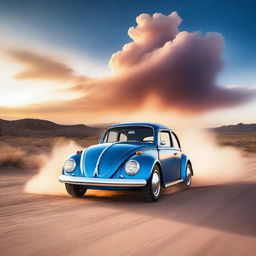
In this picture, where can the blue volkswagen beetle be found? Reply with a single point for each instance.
(130, 156)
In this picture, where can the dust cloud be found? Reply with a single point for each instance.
(46, 181)
(212, 163)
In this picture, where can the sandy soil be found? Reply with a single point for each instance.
(205, 220)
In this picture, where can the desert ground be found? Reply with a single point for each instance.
(204, 220)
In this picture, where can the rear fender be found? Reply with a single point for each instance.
(184, 161)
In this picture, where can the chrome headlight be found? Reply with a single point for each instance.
(132, 167)
(69, 165)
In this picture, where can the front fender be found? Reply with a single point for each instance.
(146, 161)
(76, 172)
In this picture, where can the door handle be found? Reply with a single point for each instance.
(175, 154)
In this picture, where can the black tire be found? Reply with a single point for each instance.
(152, 194)
(75, 190)
(188, 180)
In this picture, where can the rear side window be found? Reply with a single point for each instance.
(175, 141)
(165, 140)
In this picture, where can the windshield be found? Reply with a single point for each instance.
(129, 134)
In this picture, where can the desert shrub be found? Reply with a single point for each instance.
(242, 141)
(12, 156)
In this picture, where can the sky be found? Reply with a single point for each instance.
(63, 60)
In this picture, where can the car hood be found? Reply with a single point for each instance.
(103, 160)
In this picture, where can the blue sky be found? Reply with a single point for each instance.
(97, 29)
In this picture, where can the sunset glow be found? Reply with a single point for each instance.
(161, 69)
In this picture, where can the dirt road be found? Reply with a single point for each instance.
(205, 220)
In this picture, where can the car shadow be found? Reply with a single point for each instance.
(227, 207)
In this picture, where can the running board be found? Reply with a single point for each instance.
(173, 183)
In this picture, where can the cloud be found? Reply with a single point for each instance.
(36, 66)
(151, 33)
(176, 70)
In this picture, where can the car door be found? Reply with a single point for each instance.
(169, 156)
(178, 153)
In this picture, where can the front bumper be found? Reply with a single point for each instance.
(101, 182)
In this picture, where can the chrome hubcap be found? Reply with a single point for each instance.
(155, 184)
(189, 176)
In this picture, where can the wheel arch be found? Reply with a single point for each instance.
(190, 163)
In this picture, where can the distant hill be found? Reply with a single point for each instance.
(239, 128)
(36, 127)
(101, 125)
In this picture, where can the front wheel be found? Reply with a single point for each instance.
(153, 187)
(75, 190)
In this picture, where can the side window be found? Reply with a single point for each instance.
(175, 142)
(165, 140)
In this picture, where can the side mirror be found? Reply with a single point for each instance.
(162, 143)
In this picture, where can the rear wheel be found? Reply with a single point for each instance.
(153, 187)
(188, 180)
(75, 190)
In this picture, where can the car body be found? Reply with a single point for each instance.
(130, 156)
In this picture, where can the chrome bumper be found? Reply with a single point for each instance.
(102, 182)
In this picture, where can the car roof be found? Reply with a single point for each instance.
(154, 125)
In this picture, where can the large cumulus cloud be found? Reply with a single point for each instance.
(177, 68)
(151, 33)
